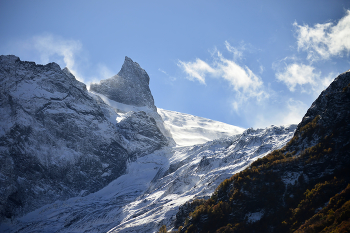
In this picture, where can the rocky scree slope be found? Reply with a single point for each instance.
(57, 140)
(302, 187)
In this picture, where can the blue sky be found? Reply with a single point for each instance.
(246, 63)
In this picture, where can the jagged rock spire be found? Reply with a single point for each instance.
(131, 68)
(130, 86)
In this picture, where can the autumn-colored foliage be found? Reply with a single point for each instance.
(334, 217)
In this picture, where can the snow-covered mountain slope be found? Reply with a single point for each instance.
(189, 130)
(155, 185)
(57, 140)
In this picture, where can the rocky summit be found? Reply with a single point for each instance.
(130, 86)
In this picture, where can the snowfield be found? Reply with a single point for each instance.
(189, 130)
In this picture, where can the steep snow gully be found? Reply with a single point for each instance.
(166, 158)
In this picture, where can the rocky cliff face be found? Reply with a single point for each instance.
(57, 140)
(130, 86)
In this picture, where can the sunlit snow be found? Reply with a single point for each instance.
(189, 130)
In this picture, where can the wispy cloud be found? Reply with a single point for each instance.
(243, 80)
(324, 40)
(164, 72)
(240, 78)
(49, 45)
(323, 83)
(304, 77)
(104, 71)
(196, 70)
(45, 48)
(262, 68)
(237, 52)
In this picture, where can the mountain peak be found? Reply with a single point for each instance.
(133, 69)
(129, 62)
(128, 59)
(130, 86)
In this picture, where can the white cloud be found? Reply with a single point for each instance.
(243, 81)
(69, 53)
(325, 40)
(237, 53)
(321, 42)
(297, 74)
(304, 76)
(240, 78)
(196, 70)
(49, 46)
